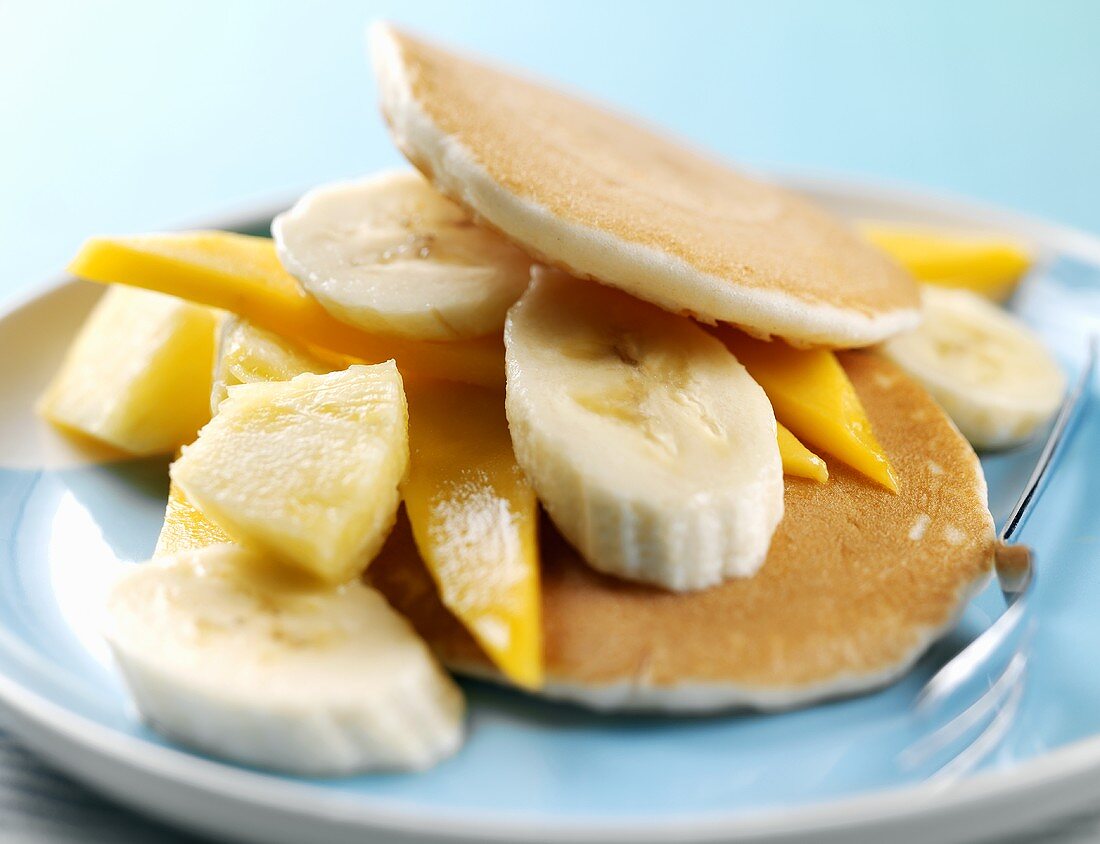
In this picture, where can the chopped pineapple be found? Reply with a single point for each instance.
(988, 265)
(812, 396)
(138, 374)
(242, 274)
(474, 518)
(798, 460)
(247, 354)
(185, 528)
(306, 469)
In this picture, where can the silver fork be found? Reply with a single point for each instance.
(978, 729)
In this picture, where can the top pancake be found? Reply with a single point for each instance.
(857, 583)
(602, 198)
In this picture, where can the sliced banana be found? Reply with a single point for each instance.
(390, 255)
(992, 375)
(650, 446)
(240, 659)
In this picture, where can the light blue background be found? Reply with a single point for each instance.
(127, 116)
(123, 116)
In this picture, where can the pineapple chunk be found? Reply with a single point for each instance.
(472, 510)
(185, 528)
(242, 274)
(812, 396)
(306, 469)
(798, 460)
(248, 354)
(991, 266)
(138, 374)
(474, 519)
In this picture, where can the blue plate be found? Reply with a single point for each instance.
(70, 520)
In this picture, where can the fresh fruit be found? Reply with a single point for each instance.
(242, 274)
(138, 375)
(185, 528)
(392, 256)
(227, 651)
(247, 354)
(474, 517)
(991, 374)
(813, 397)
(306, 469)
(992, 266)
(650, 446)
(798, 460)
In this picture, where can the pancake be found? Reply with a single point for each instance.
(603, 198)
(857, 583)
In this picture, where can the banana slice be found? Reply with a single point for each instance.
(390, 255)
(238, 658)
(991, 374)
(650, 446)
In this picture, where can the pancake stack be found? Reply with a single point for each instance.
(858, 579)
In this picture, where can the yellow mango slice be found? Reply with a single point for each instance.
(462, 472)
(185, 528)
(248, 354)
(138, 374)
(812, 396)
(798, 460)
(307, 470)
(474, 519)
(242, 274)
(991, 266)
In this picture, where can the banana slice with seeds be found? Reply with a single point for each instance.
(228, 652)
(650, 446)
(391, 255)
(992, 375)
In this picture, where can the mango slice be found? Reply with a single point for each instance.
(307, 470)
(462, 473)
(991, 266)
(242, 274)
(798, 460)
(248, 354)
(185, 528)
(138, 374)
(474, 519)
(812, 396)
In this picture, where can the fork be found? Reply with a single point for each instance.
(1005, 642)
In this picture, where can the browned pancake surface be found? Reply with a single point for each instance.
(855, 581)
(591, 168)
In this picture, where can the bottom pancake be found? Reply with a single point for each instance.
(857, 583)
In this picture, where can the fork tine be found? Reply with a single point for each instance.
(986, 741)
(1015, 569)
(1067, 415)
(940, 739)
(964, 665)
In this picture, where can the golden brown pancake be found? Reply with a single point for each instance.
(858, 582)
(603, 198)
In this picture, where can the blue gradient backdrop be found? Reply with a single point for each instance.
(118, 116)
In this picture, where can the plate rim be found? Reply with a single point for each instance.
(867, 815)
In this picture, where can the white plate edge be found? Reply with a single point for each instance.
(868, 815)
